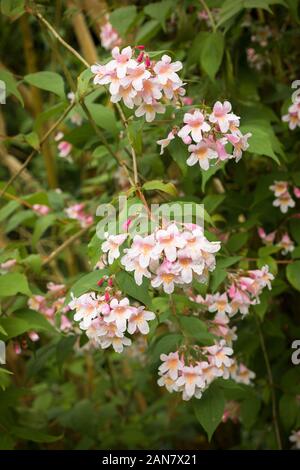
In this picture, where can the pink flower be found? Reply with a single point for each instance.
(86, 307)
(220, 304)
(188, 266)
(171, 364)
(295, 439)
(167, 275)
(166, 70)
(284, 201)
(165, 142)
(286, 244)
(201, 153)
(239, 142)
(33, 336)
(126, 94)
(219, 354)
(112, 245)
(150, 92)
(139, 321)
(243, 375)
(150, 110)
(191, 380)
(122, 61)
(222, 116)
(120, 313)
(7, 265)
(187, 101)
(109, 36)
(297, 192)
(267, 239)
(168, 241)
(194, 124)
(279, 188)
(136, 77)
(41, 209)
(133, 264)
(64, 148)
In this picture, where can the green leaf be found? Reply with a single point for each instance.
(217, 277)
(12, 284)
(160, 10)
(211, 53)
(35, 435)
(84, 82)
(127, 284)
(33, 140)
(288, 410)
(64, 348)
(122, 18)
(209, 409)
(8, 209)
(4, 378)
(237, 241)
(87, 282)
(249, 410)
(42, 224)
(103, 117)
(262, 308)
(11, 85)
(164, 345)
(49, 81)
(195, 329)
(228, 261)
(147, 31)
(293, 274)
(12, 7)
(206, 175)
(35, 320)
(153, 185)
(260, 142)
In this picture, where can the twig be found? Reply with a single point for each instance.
(34, 152)
(271, 383)
(68, 242)
(209, 14)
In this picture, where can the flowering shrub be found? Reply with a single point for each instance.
(128, 319)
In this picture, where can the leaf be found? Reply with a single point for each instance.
(42, 224)
(168, 188)
(13, 327)
(49, 81)
(103, 117)
(288, 410)
(293, 274)
(217, 277)
(84, 82)
(237, 241)
(11, 85)
(160, 10)
(164, 345)
(122, 18)
(12, 284)
(249, 410)
(35, 320)
(212, 201)
(34, 435)
(147, 31)
(209, 409)
(33, 140)
(8, 209)
(17, 219)
(196, 329)
(64, 349)
(12, 7)
(262, 308)
(206, 175)
(228, 261)
(86, 283)
(260, 142)
(179, 153)
(4, 378)
(211, 53)
(127, 284)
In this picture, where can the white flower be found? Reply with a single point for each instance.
(138, 321)
(120, 313)
(166, 70)
(112, 245)
(87, 308)
(191, 378)
(195, 124)
(168, 241)
(201, 153)
(171, 364)
(221, 114)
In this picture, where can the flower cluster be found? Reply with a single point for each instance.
(293, 115)
(76, 211)
(283, 198)
(262, 35)
(255, 60)
(140, 82)
(285, 242)
(51, 303)
(108, 316)
(207, 135)
(109, 36)
(41, 209)
(243, 291)
(169, 256)
(181, 374)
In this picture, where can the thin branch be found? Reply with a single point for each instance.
(209, 14)
(62, 247)
(271, 384)
(34, 152)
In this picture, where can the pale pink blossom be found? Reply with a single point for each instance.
(41, 209)
(139, 321)
(286, 244)
(295, 439)
(112, 246)
(221, 114)
(284, 201)
(120, 312)
(166, 70)
(150, 110)
(195, 124)
(165, 142)
(122, 60)
(191, 379)
(201, 153)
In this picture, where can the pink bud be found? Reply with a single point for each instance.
(126, 224)
(107, 296)
(17, 348)
(147, 61)
(110, 282)
(297, 192)
(141, 47)
(140, 57)
(100, 282)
